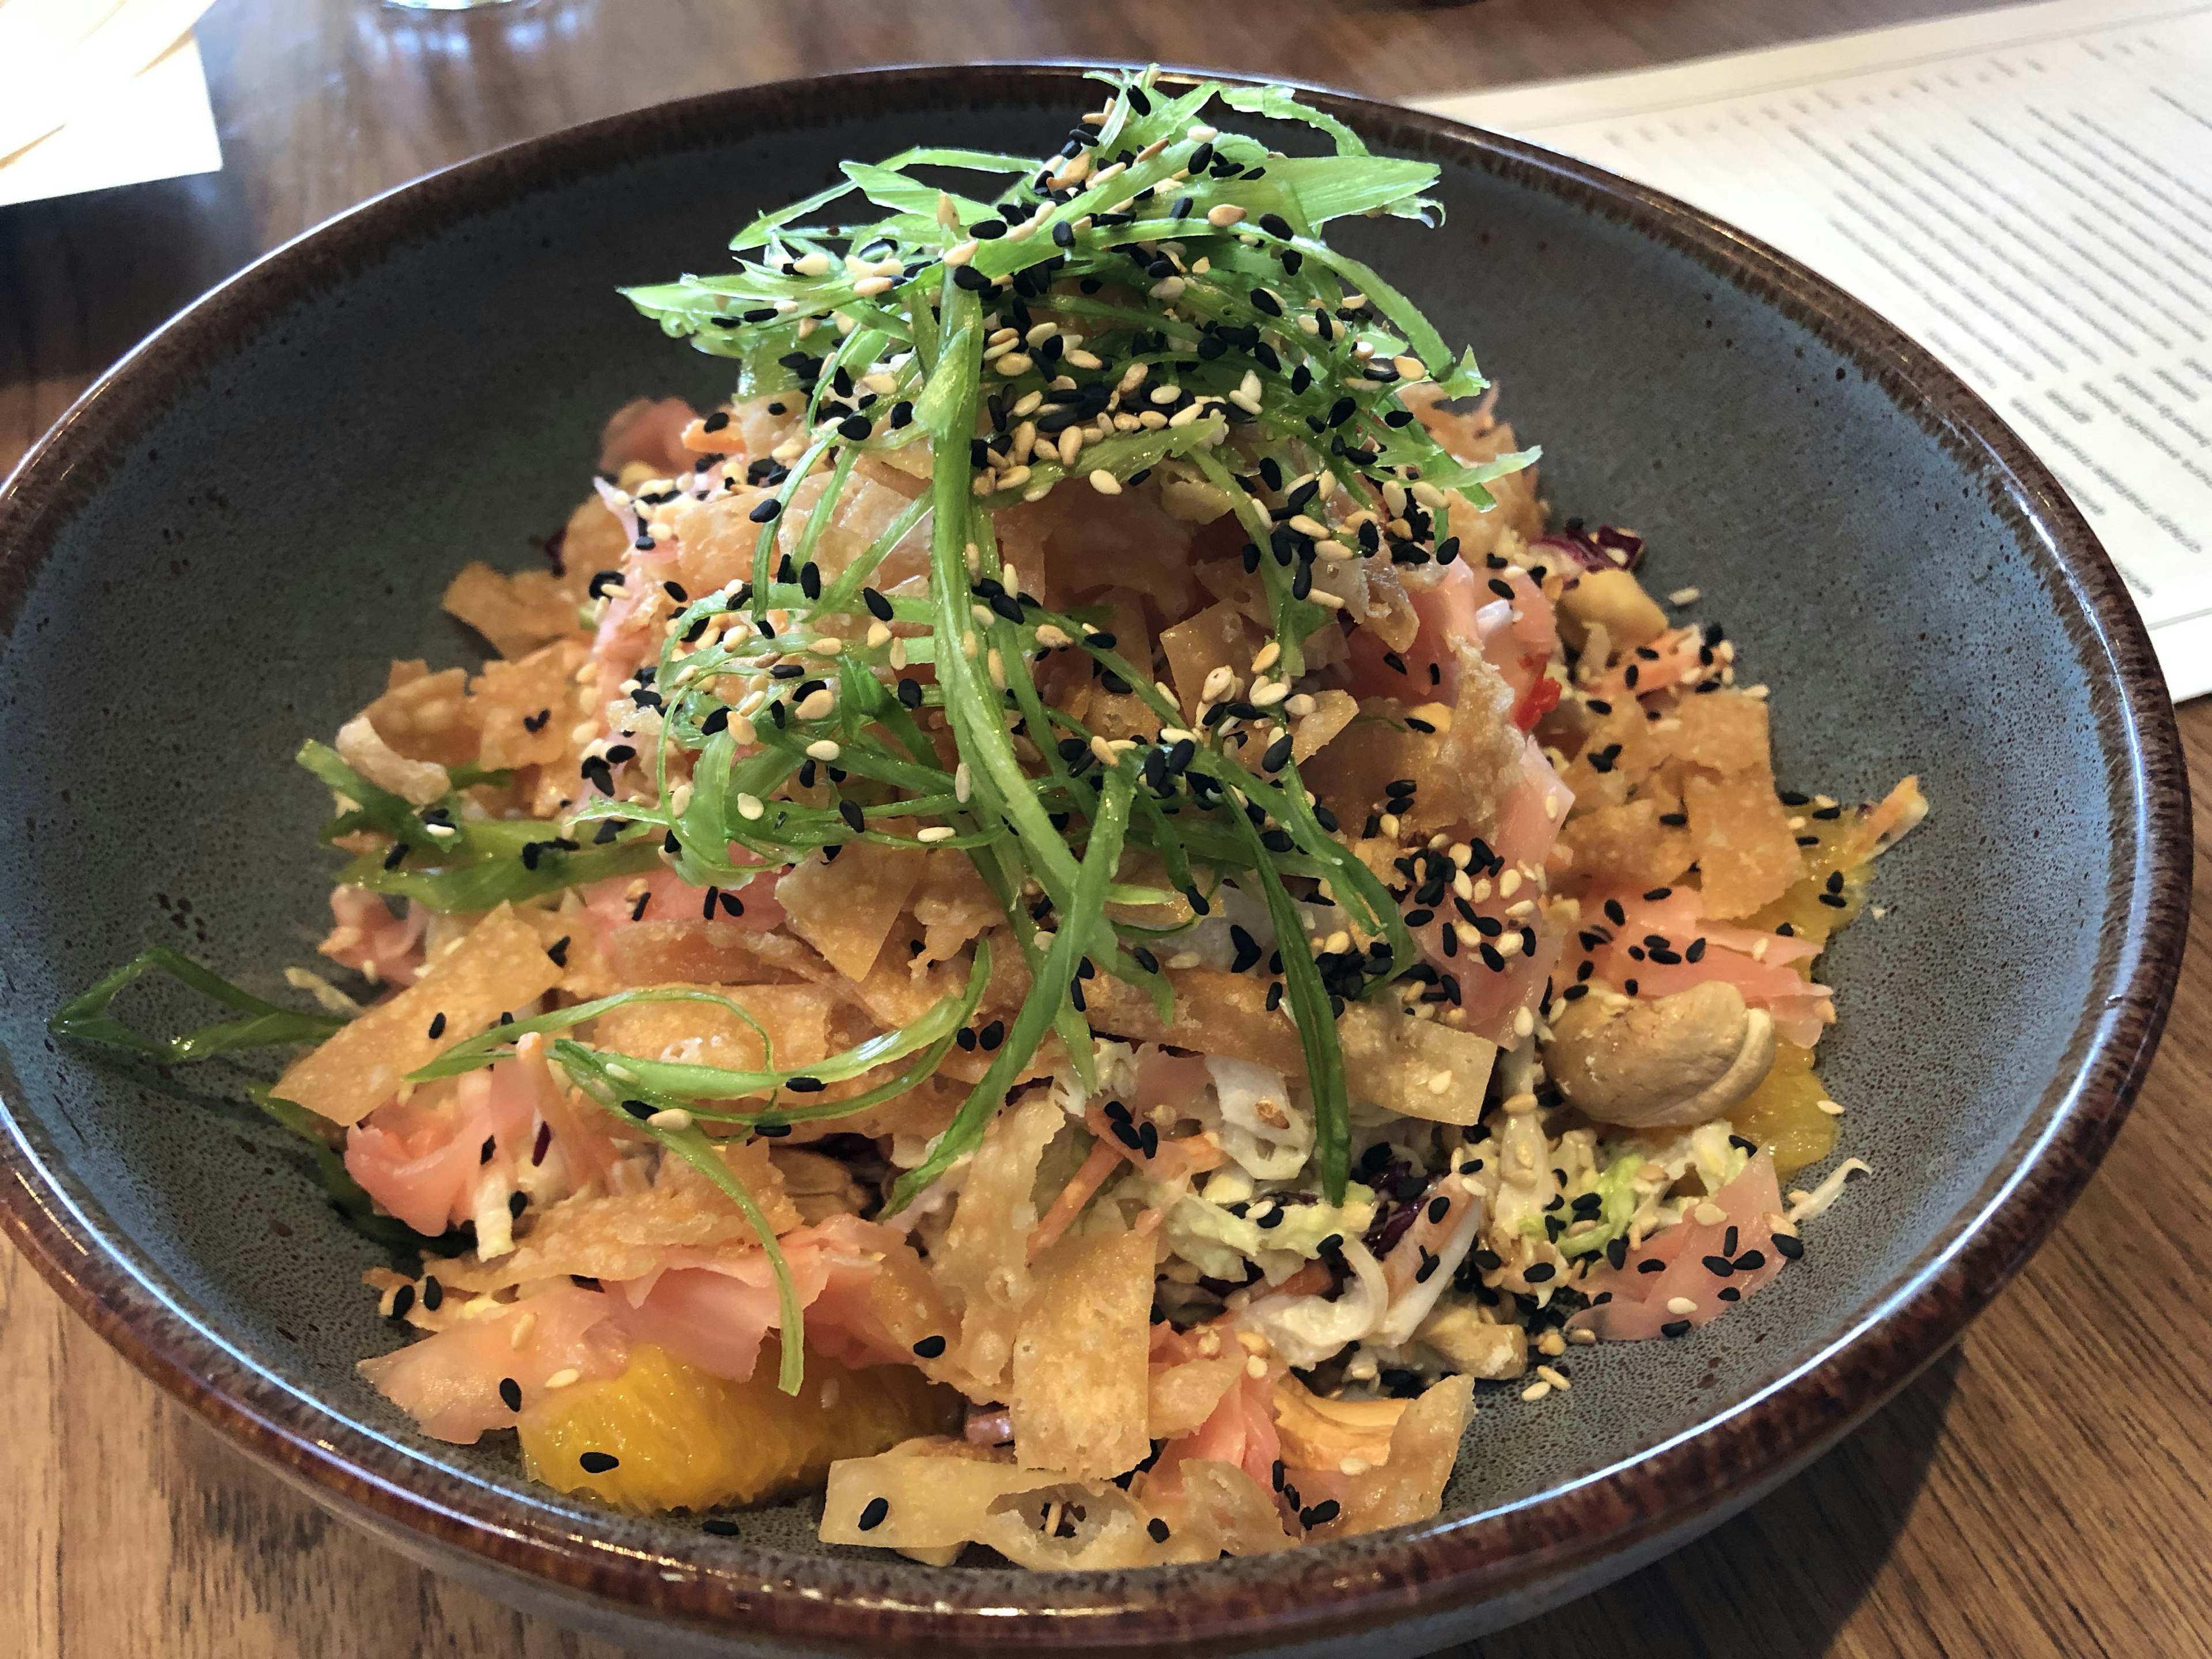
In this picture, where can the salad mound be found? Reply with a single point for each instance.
(1067, 919)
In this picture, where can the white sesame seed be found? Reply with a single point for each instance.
(1103, 752)
(1680, 1305)
(1014, 364)
(935, 832)
(562, 1378)
(1830, 1108)
(519, 1333)
(1537, 1390)
(670, 1117)
(817, 705)
(1684, 596)
(1106, 484)
(871, 285)
(750, 807)
(1556, 1378)
(1225, 214)
(823, 749)
(1710, 1215)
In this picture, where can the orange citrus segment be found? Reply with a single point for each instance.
(1784, 1112)
(680, 1438)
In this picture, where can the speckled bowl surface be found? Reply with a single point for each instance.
(215, 554)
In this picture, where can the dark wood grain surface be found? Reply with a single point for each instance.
(2045, 1489)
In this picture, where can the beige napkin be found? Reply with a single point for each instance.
(96, 93)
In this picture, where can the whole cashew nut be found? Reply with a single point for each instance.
(1671, 1063)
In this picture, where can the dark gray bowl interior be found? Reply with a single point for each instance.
(245, 567)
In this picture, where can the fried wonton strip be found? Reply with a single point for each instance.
(934, 1495)
(1078, 1398)
(498, 967)
(982, 1261)
(1415, 1067)
(518, 613)
(1408, 1487)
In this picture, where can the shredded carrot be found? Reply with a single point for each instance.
(1105, 1158)
(1309, 1280)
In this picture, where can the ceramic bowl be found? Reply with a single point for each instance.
(214, 553)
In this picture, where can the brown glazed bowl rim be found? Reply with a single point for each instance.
(1341, 1591)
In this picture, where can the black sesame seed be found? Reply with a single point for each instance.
(930, 1348)
(874, 1515)
(437, 1026)
(433, 1294)
(1674, 1327)
(1537, 1272)
(1789, 1247)
(510, 1394)
(403, 1301)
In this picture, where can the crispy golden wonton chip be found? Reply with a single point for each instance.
(1079, 1380)
(796, 1019)
(426, 716)
(1416, 1068)
(499, 967)
(1219, 636)
(982, 1261)
(1410, 1485)
(525, 709)
(1215, 1013)
(516, 613)
(1332, 712)
(1319, 1433)
(845, 910)
(623, 1235)
(1739, 833)
(1180, 1398)
(1627, 845)
(927, 1498)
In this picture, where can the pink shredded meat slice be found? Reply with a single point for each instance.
(1690, 1253)
(1801, 1009)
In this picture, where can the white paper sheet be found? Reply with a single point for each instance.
(2028, 191)
(158, 124)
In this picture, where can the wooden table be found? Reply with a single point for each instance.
(2045, 1489)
